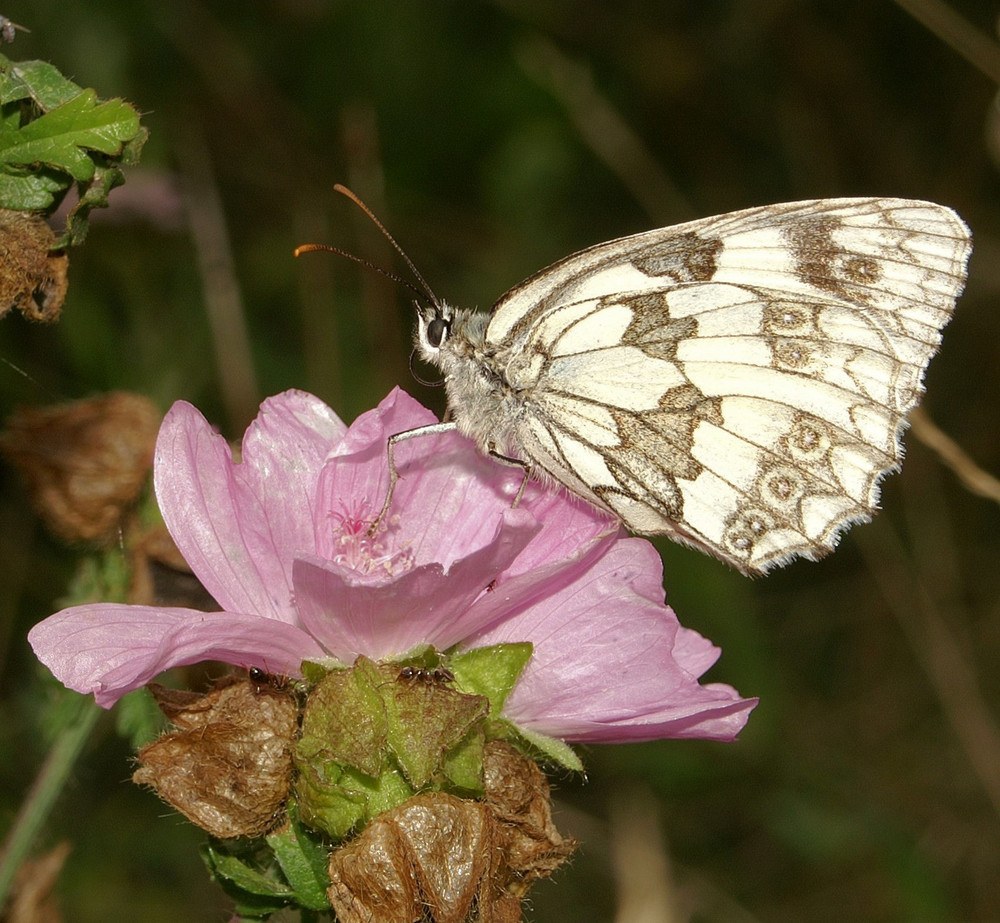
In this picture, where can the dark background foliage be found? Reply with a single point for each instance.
(493, 138)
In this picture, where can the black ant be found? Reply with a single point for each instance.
(261, 679)
(425, 675)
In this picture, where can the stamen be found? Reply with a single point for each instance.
(366, 552)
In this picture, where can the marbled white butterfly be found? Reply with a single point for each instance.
(738, 383)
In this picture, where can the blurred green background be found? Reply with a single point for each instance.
(492, 139)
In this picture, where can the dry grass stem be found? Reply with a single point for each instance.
(954, 456)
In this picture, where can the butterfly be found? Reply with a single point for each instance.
(738, 383)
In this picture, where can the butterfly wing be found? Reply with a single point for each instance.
(739, 382)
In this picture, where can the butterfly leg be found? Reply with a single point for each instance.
(393, 473)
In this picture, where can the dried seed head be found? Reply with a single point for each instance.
(445, 859)
(32, 276)
(85, 462)
(228, 767)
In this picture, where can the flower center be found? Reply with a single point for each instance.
(367, 554)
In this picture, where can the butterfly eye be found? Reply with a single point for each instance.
(437, 331)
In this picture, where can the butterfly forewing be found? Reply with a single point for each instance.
(738, 382)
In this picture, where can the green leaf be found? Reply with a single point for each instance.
(230, 868)
(60, 137)
(96, 193)
(304, 861)
(10, 119)
(34, 191)
(94, 196)
(62, 708)
(105, 576)
(38, 81)
(65, 136)
(138, 718)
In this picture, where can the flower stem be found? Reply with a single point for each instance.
(43, 794)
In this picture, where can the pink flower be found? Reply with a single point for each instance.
(280, 539)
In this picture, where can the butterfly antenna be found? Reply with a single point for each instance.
(343, 190)
(326, 248)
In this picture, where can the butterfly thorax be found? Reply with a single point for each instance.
(481, 399)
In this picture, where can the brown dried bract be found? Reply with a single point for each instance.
(85, 462)
(31, 899)
(443, 859)
(228, 767)
(518, 793)
(32, 276)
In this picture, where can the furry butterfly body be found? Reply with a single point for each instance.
(739, 383)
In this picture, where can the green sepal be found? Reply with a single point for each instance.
(375, 734)
(426, 720)
(491, 671)
(538, 747)
(256, 894)
(423, 655)
(463, 764)
(345, 721)
(313, 671)
(339, 799)
(303, 860)
(372, 737)
(390, 791)
(325, 804)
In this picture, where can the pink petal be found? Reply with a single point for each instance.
(397, 413)
(511, 598)
(694, 652)
(450, 496)
(447, 495)
(110, 649)
(444, 503)
(718, 713)
(447, 498)
(424, 605)
(568, 524)
(239, 526)
(606, 663)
